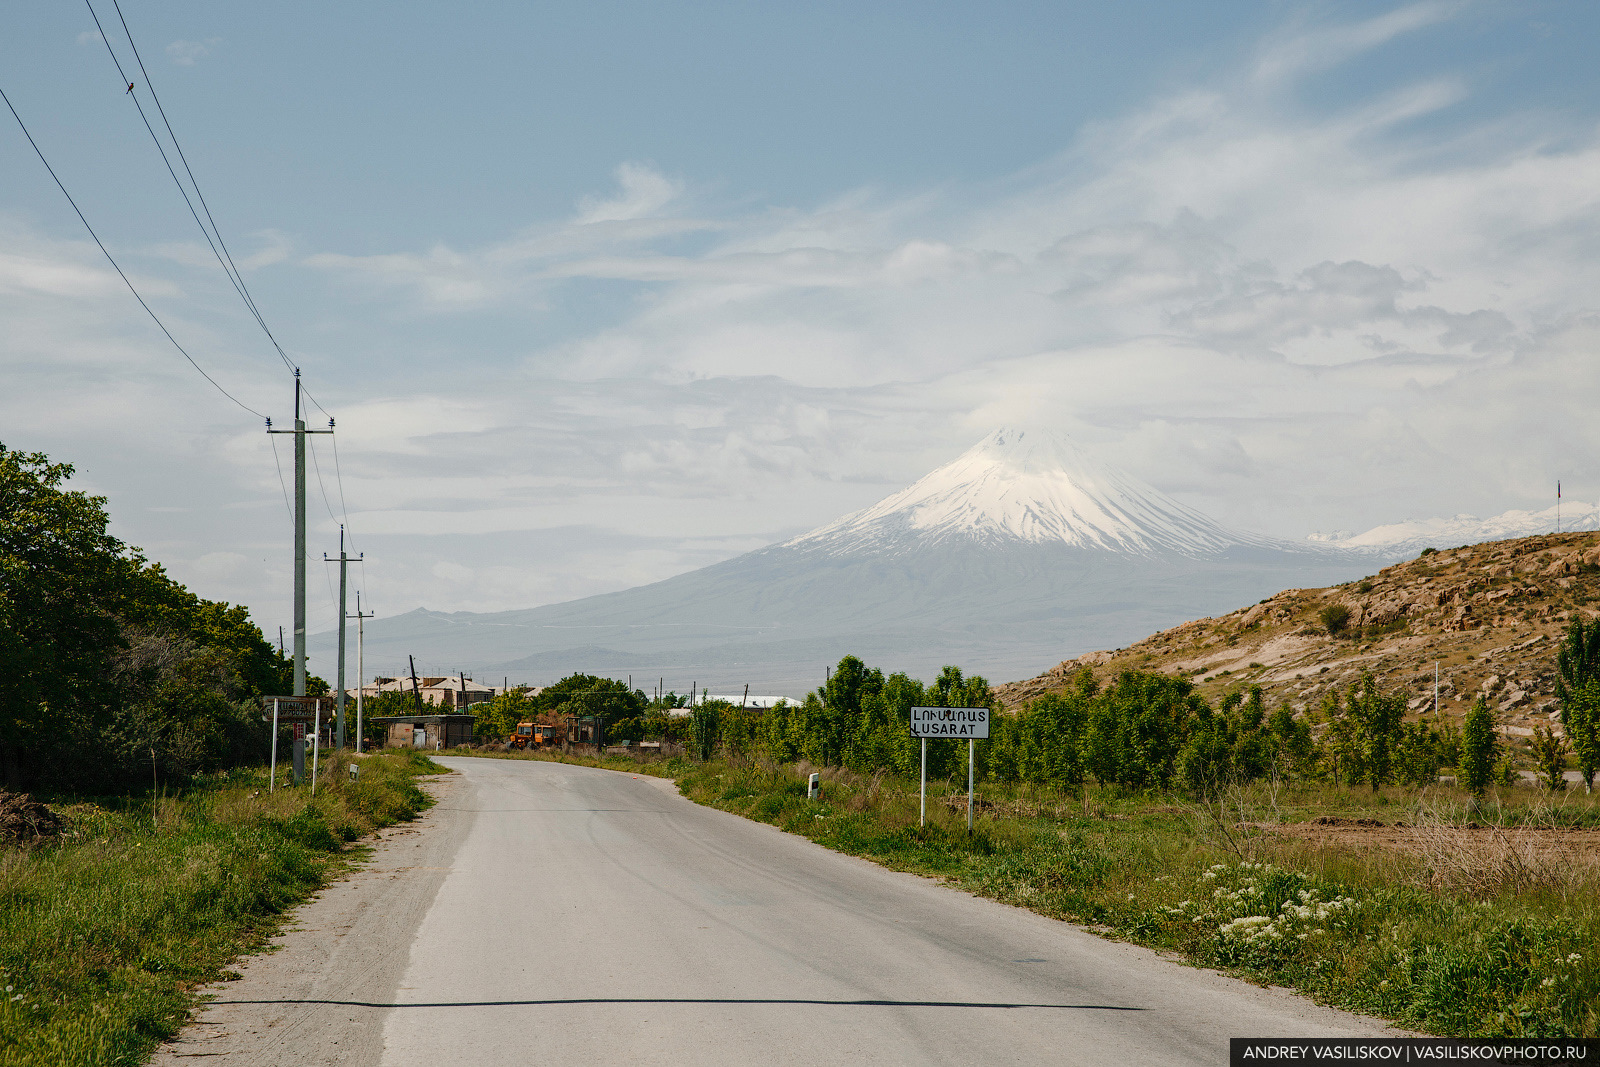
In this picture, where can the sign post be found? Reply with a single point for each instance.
(316, 744)
(968, 723)
(922, 794)
(971, 745)
(272, 776)
(297, 712)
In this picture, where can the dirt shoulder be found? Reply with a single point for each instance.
(320, 994)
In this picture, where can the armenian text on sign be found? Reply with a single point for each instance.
(957, 723)
(290, 709)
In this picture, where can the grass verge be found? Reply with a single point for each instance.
(1466, 923)
(106, 931)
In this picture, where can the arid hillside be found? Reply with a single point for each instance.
(1489, 616)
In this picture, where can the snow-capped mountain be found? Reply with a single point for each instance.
(1028, 486)
(1399, 540)
(1021, 552)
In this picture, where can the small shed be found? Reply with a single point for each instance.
(426, 731)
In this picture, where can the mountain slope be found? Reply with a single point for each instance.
(1490, 616)
(1022, 550)
(1401, 539)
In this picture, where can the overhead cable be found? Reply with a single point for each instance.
(316, 466)
(110, 259)
(223, 256)
(219, 246)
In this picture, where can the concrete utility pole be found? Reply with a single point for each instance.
(344, 561)
(299, 432)
(361, 665)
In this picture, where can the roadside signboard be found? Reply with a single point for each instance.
(960, 724)
(295, 709)
(295, 712)
(948, 724)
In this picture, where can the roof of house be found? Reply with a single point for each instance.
(422, 720)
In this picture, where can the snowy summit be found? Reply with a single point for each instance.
(1028, 486)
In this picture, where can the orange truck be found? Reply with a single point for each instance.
(533, 735)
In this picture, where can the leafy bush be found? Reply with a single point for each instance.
(1334, 618)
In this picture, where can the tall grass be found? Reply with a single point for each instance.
(105, 932)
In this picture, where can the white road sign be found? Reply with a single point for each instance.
(958, 723)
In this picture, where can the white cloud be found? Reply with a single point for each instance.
(1298, 50)
(186, 53)
(1295, 319)
(645, 191)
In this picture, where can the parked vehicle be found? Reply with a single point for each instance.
(533, 735)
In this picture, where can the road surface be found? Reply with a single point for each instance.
(555, 914)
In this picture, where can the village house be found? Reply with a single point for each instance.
(436, 690)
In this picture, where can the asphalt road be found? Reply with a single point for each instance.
(552, 914)
(594, 917)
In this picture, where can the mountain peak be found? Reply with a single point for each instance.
(1028, 485)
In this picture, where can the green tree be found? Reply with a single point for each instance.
(1578, 658)
(497, 718)
(1376, 717)
(1550, 757)
(1580, 717)
(1480, 749)
(1578, 690)
(705, 727)
(1419, 752)
(110, 666)
(588, 694)
(1136, 728)
(1293, 750)
(64, 583)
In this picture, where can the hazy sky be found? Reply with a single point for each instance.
(603, 292)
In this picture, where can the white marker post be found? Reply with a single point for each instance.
(272, 778)
(316, 743)
(971, 745)
(922, 811)
(968, 723)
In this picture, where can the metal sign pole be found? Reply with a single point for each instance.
(361, 669)
(316, 744)
(272, 777)
(922, 817)
(970, 747)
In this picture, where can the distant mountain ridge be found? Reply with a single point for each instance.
(1023, 550)
(1400, 539)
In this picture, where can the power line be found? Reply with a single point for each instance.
(338, 479)
(224, 257)
(110, 259)
(318, 468)
(281, 484)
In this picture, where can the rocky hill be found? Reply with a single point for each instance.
(1489, 616)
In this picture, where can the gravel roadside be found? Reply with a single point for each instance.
(318, 995)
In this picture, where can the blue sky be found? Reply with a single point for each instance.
(604, 292)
